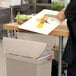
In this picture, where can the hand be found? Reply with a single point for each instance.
(61, 15)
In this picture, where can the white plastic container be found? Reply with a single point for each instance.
(27, 58)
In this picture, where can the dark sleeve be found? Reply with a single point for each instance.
(70, 12)
(73, 27)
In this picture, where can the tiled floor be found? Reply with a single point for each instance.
(2, 61)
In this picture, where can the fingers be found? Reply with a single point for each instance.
(61, 15)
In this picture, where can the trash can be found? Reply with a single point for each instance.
(27, 58)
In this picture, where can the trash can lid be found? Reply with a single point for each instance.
(27, 48)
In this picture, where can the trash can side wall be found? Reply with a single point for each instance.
(20, 68)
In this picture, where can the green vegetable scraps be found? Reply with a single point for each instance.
(22, 16)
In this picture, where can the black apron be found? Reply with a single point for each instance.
(70, 49)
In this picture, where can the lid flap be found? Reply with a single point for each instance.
(27, 48)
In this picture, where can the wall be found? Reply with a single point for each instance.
(4, 3)
(8, 3)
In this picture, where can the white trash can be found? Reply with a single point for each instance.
(27, 58)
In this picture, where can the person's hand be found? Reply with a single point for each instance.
(61, 15)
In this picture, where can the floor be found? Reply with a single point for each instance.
(2, 61)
